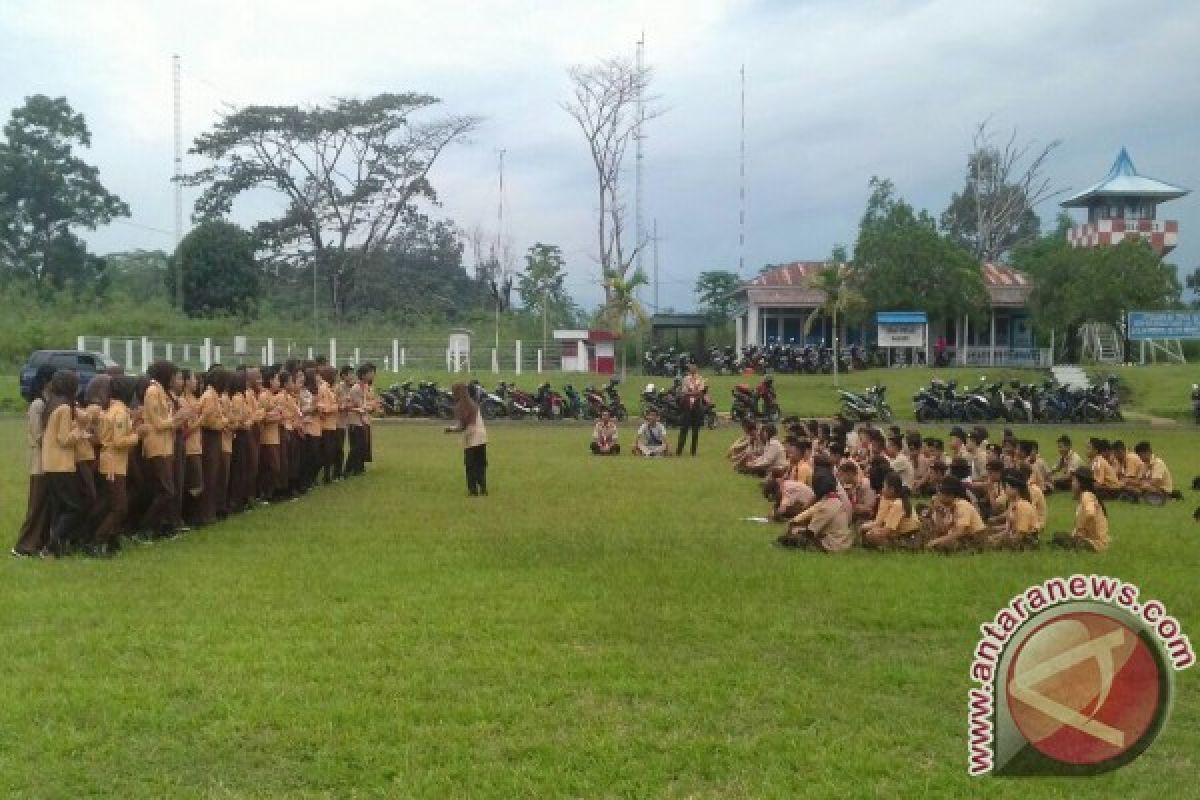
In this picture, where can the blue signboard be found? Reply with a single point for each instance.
(1164, 325)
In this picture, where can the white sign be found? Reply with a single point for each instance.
(901, 335)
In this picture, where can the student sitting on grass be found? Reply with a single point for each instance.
(1153, 483)
(825, 525)
(746, 443)
(793, 490)
(856, 488)
(993, 500)
(773, 456)
(1068, 462)
(1126, 463)
(964, 527)
(1039, 472)
(1020, 528)
(651, 438)
(604, 436)
(1036, 496)
(896, 523)
(1099, 452)
(1091, 517)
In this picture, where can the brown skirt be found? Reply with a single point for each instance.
(35, 530)
(212, 499)
(268, 470)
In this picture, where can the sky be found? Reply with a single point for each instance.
(836, 91)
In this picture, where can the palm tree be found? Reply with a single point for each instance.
(841, 297)
(623, 305)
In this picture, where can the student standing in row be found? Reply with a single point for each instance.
(158, 446)
(211, 418)
(35, 530)
(61, 433)
(117, 439)
(344, 385)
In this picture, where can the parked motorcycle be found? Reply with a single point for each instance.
(869, 406)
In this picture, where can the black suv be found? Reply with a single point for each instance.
(85, 363)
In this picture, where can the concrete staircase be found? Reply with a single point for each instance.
(1072, 376)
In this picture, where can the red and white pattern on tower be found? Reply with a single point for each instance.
(1161, 234)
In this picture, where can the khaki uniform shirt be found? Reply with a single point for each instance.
(159, 441)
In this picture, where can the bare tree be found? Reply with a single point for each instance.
(605, 106)
(1004, 182)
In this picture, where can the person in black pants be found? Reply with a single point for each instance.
(691, 402)
(470, 424)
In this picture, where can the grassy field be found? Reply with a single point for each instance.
(594, 628)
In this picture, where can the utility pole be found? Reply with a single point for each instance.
(178, 181)
(742, 185)
(499, 249)
(654, 239)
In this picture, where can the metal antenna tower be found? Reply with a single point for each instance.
(178, 181)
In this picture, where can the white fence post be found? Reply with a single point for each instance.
(217, 353)
(81, 343)
(129, 365)
(449, 366)
(518, 365)
(206, 354)
(170, 349)
(332, 352)
(395, 355)
(187, 354)
(147, 353)
(106, 347)
(539, 360)
(270, 359)
(264, 361)
(356, 361)
(495, 362)
(403, 358)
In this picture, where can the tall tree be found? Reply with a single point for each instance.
(47, 190)
(420, 274)
(220, 274)
(347, 171)
(1074, 285)
(903, 263)
(542, 286)
(1004, 182)
(714, 289)
(605, 105)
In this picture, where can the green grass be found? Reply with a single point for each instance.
(1160, 390)
(595, 628)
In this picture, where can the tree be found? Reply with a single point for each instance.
(623, 306)
(349, 172)
(542, 287)
(139, 275)
(902, 262)
(46, 190)
(607, 99)
(715, 288)
(220, 274)
(842, 298)
(1074, 285)
(994, 211)
(419, 274)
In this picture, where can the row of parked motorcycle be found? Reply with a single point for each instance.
(427, 399)
(1048, 401)
(776, 357)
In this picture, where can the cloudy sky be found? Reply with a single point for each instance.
(837, 91)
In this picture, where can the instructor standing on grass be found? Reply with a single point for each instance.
(470, 424)
(691, 404)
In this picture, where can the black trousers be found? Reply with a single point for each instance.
(339, 454)
(68, 517)
(475, 460)
(690, 423)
